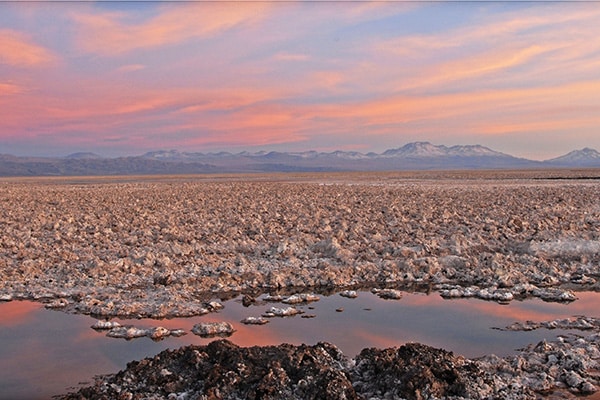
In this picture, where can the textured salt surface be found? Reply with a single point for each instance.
(158, 248)
(165, 247)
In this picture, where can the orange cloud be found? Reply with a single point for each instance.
(489, 50)
(109, 34)
(16, 50)
(476, 111)
(490, 62)
(9, 88)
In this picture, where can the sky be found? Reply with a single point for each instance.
(123, 78)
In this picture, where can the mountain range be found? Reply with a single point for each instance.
(412, 156)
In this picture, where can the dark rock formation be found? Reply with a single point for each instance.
(413, 371)
(222, 370)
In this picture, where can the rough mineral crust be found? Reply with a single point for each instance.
(131, 332)
(388, 294)
(160, 248)
(255, 321)
(101, 325)
(579, 322)
(505, 295)
(351, 294)
(222, 370)
(281, 312)
(212, 329)
(300, 298)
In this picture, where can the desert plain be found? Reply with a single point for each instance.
(165, 246)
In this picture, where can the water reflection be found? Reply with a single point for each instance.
(44, 352)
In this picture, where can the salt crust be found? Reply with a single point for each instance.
(163, 248)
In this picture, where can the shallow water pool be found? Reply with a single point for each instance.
(45, 352)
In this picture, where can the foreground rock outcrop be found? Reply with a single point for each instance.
(223, 370)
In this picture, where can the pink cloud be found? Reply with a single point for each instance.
(109, 33)
(9, 89)
(290, 57)
(17, 50)
(131, 68)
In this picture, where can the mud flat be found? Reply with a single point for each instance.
(164, 247)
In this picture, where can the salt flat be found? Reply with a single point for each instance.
(155, 246)
(164, 246)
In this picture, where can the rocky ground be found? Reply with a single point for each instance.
(164, 247)
(159, 248)
(222, 370)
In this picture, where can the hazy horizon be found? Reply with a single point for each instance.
(256, 151)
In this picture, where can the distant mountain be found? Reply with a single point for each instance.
(426, 150)
(412, 156)
(83, 156)
(585, 157)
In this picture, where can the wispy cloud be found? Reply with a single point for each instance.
(9, 88)
(111, 33)
(515, 48)
(131, 68)
(17, 50)
(353, 75)
(290, 57)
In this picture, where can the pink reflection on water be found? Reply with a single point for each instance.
(45, 351)
(18, 312)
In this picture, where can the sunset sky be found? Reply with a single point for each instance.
(124, 78)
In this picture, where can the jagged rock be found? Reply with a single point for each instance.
(248, 300)
(255, 321)
(102, 325)
(578, 322)
(413, 371)
(351, 294)
(214, 306)
(273, 298)
(127, 332)
(388, 294)
(131, 332)
(554, 294)
(300, 298)
(57, 303)
(281, 312)
(224, 370)
(212, 329)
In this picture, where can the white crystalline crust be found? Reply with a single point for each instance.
(132, 332)
(210, 329)
(161, 247)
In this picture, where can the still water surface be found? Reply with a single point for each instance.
(44, 352)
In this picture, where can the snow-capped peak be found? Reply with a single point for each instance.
(580, 157)
(426, 149)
